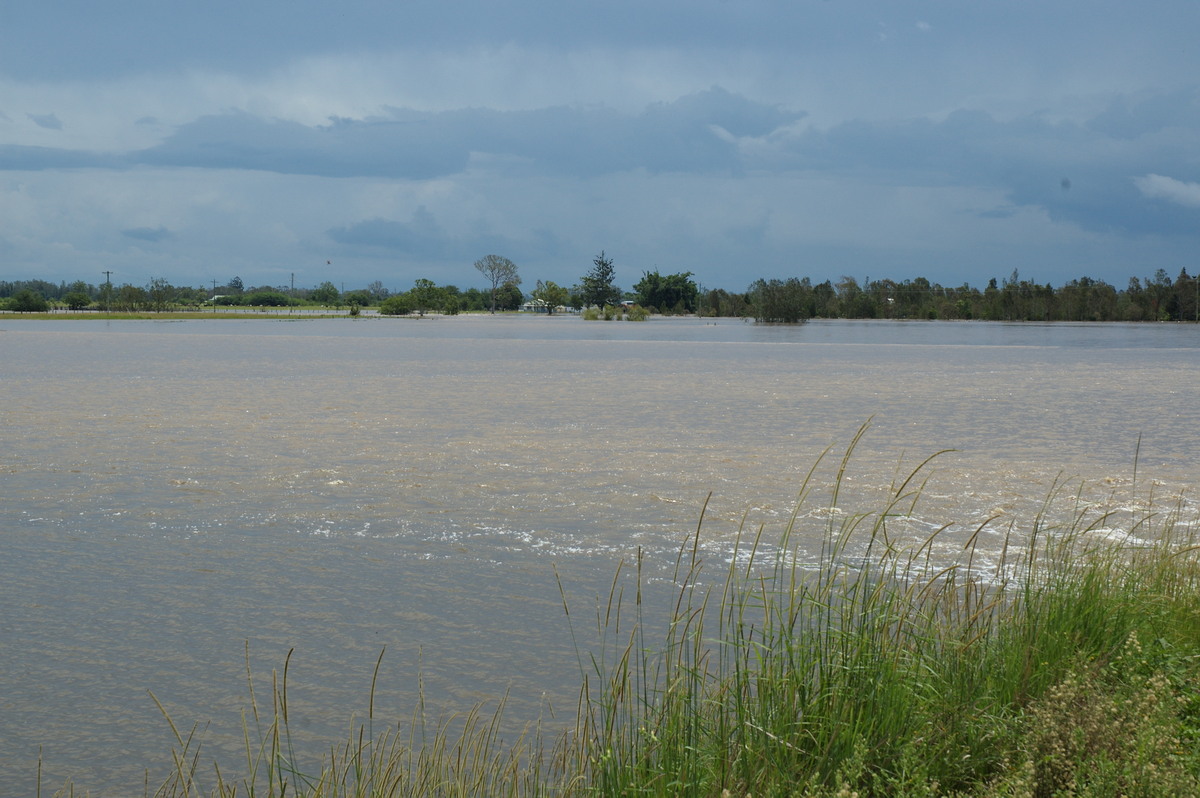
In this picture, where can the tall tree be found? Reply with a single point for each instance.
(160, 294)
(780, 301)
(325, 294)
(378, 292)
(77, 300)
(1159, 288)
(509, 297)
(426, 295)
(501, 271)
(597, 287)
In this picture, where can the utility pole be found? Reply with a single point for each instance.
(107, 289)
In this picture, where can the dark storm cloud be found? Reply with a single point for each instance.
(411, 147)
(423, 237)
(151, 234)
(691, 134)
(1032, 159)
(422, 234)
(696, 133)
(47, 121)
(73, 38)
(16, 157)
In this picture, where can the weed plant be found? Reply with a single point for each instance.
(1067, 665)
(615, 313)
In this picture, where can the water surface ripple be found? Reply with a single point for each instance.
(175, 491)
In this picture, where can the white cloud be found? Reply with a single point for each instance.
(1168, 188)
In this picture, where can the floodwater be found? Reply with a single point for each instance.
(181, 497)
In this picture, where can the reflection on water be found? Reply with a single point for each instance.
(173, 492)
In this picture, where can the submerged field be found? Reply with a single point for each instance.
(189, 501)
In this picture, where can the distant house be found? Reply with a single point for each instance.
(540, 306)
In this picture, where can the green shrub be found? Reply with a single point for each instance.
(267, 299)
(361, 297)
(1100, 732)
(27, 301)
(77, 300)
(397, 305)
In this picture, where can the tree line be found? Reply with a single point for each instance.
(1155, 298)
(795, 299)
(159, 295)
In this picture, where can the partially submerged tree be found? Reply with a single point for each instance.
(672, 293)
(396, 305)
(500, 271)
(780, 301)
(597, 287)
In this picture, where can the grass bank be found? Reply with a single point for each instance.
(1065, 664)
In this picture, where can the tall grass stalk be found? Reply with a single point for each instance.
(896, 672)
(459, 755)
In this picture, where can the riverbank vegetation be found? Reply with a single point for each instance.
(1064, 662)
(1154, 298)
(39, 296)
(182, 315)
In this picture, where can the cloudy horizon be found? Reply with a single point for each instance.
(360, 142)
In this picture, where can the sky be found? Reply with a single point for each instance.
(389, 140)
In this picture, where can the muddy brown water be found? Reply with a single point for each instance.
(173, 493)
